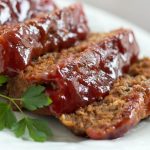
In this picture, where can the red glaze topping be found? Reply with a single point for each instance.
(20, 43)
(13, 11)
(88, 76)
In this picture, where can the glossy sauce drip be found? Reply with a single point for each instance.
(21, 43)
(88, 76)
(14, 11)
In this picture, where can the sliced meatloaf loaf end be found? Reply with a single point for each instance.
(80, 75)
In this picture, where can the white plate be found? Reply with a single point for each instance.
(137, 139)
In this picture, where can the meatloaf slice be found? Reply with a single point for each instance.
(11, 11)
(23, 42)
(80, 75)
(127, 103)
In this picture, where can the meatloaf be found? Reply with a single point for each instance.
(14, 11)
(127, 103)
(141, 67)
(22, 42)
(80, 75)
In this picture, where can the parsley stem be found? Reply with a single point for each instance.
(3, 96)
(13, 101)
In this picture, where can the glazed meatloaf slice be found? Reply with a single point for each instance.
(11, 11)
(80, 75)
(23, 42)
(127, 103)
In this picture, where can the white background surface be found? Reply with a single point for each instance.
(137, 139)
(136, 11)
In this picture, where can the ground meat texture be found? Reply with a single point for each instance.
(142, 67)
(20, 43)
(80, 75)
(14, 11)
(127, 103)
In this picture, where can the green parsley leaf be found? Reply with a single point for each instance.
(32, 99)
(3, 79)
(38, 129)
(19, 128)
(7, 117)
(43, 126)
(35, 98)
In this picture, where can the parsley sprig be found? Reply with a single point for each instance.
(33, 98)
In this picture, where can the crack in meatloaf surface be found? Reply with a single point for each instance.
(127, 104)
